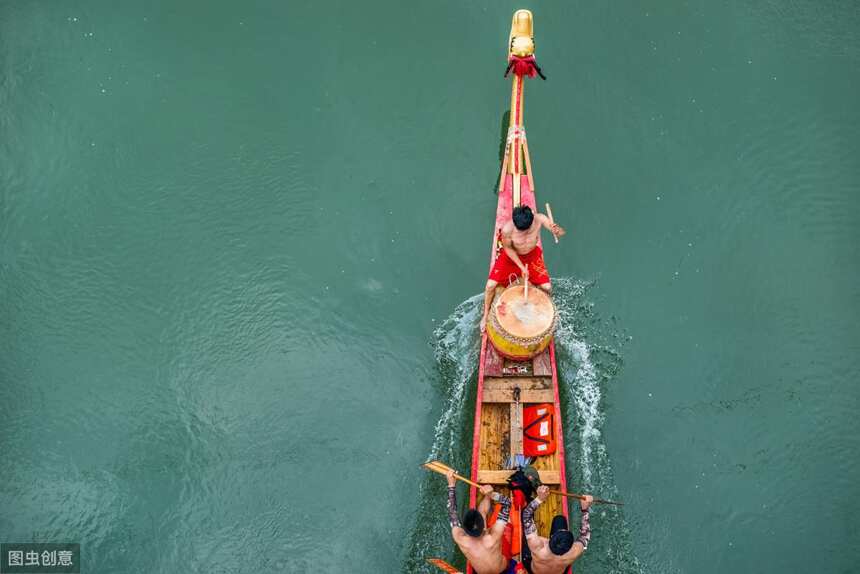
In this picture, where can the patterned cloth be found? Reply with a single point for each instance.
(505, 512)
(505, 271)
(584, 531)
(529, 526)
(453, 518)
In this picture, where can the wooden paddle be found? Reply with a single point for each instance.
(549, 214)
(442, 565)
(581, 497)
(442, 468)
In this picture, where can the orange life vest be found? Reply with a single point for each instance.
(539, 429)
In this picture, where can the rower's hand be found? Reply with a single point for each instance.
(451, 480)
(486, 489)
(557, 230)
(483, 325)
(585, 503)
(543, 492)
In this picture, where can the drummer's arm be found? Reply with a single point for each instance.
(553, 228)
(508, 246)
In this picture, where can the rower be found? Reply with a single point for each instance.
(555, 554)
(481, 546)
(520, 255)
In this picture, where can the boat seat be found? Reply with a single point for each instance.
(501, 476)
(532, 389)
(526, 396)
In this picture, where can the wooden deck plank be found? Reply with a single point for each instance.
(549, 462)
(495, 435)
(546, 512)
(493, 362)
(542, 365)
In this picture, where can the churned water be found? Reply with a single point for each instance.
(589, 357)
(237, 242)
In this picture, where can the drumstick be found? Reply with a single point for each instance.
(526, 285)
(549, 214)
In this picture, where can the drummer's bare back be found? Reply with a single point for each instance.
(524, 241)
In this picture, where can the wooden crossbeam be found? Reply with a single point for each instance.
(528, 396)
(524, 383)
(501, 476)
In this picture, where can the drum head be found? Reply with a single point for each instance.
(524, 318)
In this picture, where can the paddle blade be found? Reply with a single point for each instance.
(436, 466)
(441, 468)
(581, 497)
(601, 501)
(443, 566)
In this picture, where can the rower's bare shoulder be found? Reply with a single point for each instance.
(508, 229)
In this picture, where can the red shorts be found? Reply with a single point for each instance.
(505, 271)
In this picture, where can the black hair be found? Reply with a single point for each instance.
(473, 523)
(561, 542)
(523, 217)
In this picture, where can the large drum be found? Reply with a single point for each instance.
(518, 328)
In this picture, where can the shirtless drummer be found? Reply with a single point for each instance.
(520, 254)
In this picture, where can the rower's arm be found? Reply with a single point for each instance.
(453, 518)
(529, 526)
(504, 514)
(486, 505)
(580, 545)
(584, 530)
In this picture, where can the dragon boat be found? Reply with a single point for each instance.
(517, 410)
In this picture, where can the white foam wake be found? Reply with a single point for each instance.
(582, 382)
(584, 365)
(456, 351)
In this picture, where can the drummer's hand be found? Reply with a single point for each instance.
(486, 489)
(525, 270)
(557, 230)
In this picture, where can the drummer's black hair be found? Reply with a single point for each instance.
(561, 542)
(473, 523)
(523, 217)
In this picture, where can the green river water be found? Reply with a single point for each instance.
(240, 245)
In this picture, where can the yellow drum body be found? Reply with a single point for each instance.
(518, 328)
